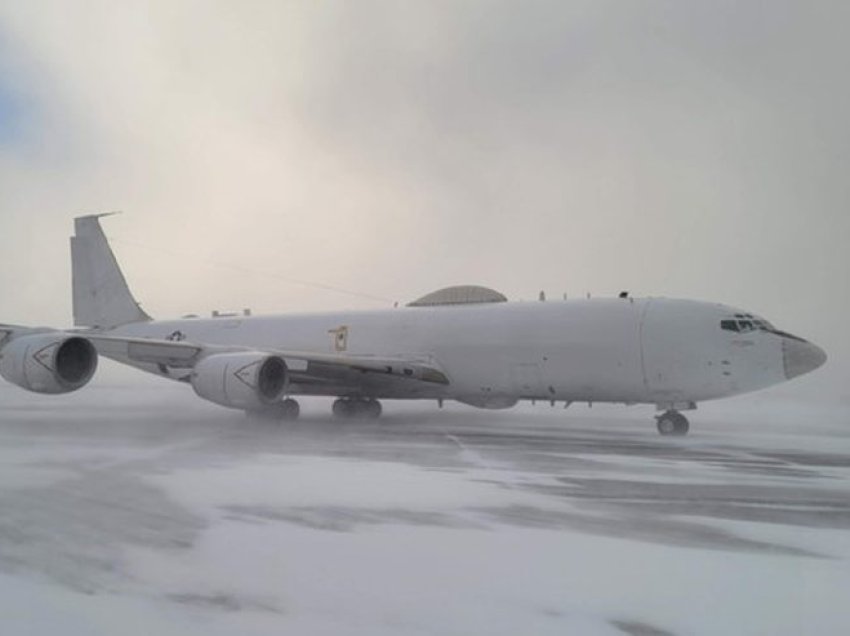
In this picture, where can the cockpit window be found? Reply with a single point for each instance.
(744, 323)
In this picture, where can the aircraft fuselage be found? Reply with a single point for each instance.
(655, 350)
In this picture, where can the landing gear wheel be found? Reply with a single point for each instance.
(289, 409)
(371, 409)
(347, 408)
(672, 423)
(343, 408)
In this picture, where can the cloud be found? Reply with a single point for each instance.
(666, 148)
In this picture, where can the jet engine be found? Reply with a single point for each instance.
(491, 402)
(48, 362)
(243, 380)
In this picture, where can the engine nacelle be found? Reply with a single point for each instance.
(489, 402)
(48, 362)
(244, 380)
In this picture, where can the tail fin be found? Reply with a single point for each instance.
(101, 296)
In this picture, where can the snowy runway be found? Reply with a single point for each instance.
(140, 511)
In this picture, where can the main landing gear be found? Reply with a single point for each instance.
(672, 423)
(285, 410)
(289, 409)
(361, 408)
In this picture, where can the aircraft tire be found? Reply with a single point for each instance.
(349, 408)
(289, 410)
(343, 409)
(371, 409)
(673, 423)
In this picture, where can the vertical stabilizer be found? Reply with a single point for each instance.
(101, 296)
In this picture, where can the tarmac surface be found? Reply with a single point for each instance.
(88, 484)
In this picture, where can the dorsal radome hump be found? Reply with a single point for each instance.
(459, 295)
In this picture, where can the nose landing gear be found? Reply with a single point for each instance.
(672, 423)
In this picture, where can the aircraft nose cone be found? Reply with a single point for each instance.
(800, 357)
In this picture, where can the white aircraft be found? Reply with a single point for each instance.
(461, 343)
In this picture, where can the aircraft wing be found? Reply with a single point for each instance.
(305, 366)
(180, 355)
(8, 332)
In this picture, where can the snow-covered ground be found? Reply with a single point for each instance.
(139, 509)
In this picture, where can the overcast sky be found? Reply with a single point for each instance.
(689, 149)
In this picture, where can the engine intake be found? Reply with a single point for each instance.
(48, 362)
(245, 380)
